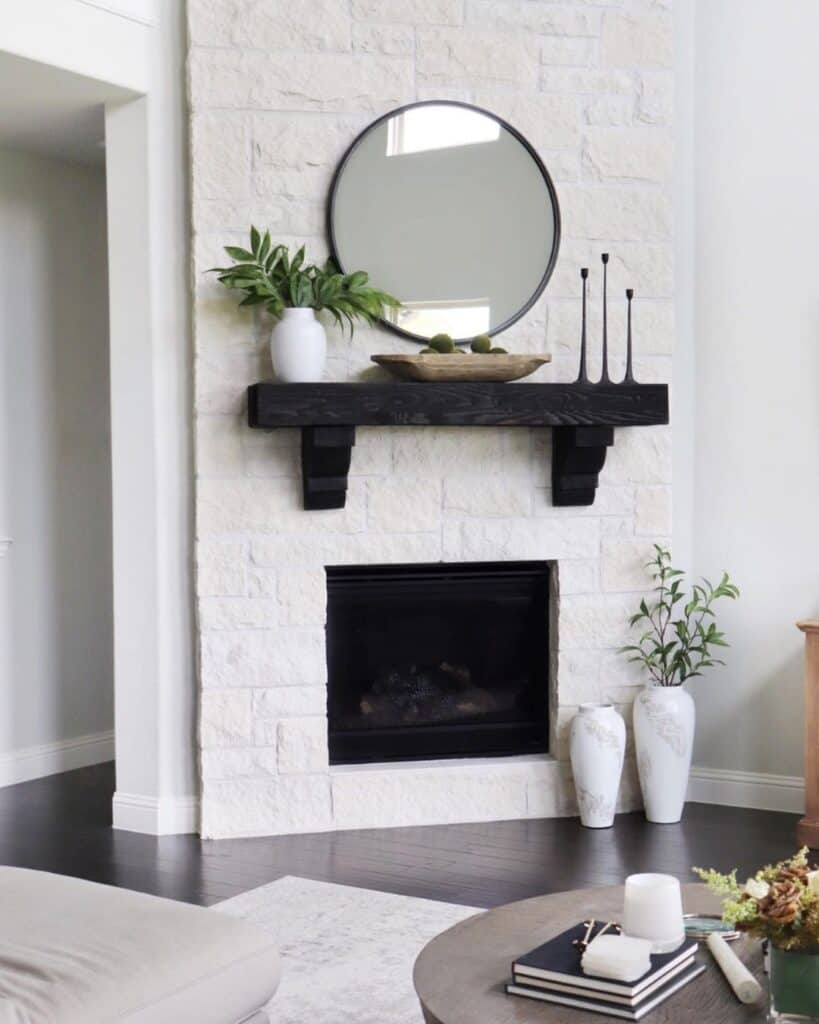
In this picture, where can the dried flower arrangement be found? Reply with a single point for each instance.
(780, 903)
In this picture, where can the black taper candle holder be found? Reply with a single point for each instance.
(629, 377)
(582, 376)
(604, 373)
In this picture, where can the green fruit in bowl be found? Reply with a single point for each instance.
(482, 343)
(429, 352)
(499, 352)
(442, 343)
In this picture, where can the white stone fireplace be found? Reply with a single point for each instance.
(436, 495)
(273, 110)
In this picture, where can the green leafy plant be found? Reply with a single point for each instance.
(675, 649)
(268, 275)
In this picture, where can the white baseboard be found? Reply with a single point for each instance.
(156, 816)
(747, 789)
(51, 758)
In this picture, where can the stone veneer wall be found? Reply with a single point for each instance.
(278, 90)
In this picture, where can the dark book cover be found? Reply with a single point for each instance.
(616, 999)
(593, 1004)
(559, 960)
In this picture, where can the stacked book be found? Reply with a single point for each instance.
(552, 974)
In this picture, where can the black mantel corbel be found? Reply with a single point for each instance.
(583, 417)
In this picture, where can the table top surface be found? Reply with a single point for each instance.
(460, 975)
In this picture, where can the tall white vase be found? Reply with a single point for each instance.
(298, 347)
(664, 718)
(597, 743)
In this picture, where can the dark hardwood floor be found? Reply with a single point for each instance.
(63, 824)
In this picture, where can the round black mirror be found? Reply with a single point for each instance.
(451, 210)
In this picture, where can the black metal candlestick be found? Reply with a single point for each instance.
(583, 377)
(604, 373)
(629, 377)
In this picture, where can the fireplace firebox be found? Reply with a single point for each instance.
(437, 660)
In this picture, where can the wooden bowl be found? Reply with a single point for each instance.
(471, 366)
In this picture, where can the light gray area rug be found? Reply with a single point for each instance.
(347, 953)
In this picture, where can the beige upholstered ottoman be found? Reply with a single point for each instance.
(74, 952)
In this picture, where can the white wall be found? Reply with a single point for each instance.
(89, 38)
(56, 670)
(756, 322)
(136, 49)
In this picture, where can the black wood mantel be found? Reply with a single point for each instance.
(583, 417)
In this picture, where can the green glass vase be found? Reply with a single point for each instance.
(794, 981)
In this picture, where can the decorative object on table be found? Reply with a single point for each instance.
(553, 973)
(672, 651)
(597, 744)
(700, 926)
(451, 208)
(746, 988)
(617, 957)
(781, 905)
(652, 909)
(807, 831)
(581, 945)
(293, 292)
(452, 367)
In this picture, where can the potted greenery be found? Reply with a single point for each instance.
(780, 904)
(672, 651)
(293, 291)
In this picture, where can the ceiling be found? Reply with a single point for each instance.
(52, 112)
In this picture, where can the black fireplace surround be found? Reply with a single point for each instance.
(437, 660)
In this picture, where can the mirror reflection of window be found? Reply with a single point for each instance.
(425, 128)
(449, 210)
(462, 319)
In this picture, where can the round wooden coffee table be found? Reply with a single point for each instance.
(460, 975)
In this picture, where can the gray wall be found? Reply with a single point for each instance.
(56, 678)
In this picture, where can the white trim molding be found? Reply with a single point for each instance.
(747, 789)
(52, 758)
(156, 816)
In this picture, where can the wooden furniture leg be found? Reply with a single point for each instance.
(807, 831)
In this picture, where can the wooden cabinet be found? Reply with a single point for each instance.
(807, 831)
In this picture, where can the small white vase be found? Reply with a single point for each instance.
(596, 746)
(298, 347)
(664, 718)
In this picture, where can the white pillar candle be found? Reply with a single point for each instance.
(652, 910)
(746, 988)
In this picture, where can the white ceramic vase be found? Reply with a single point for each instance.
(596, 746)
(298, 347)
(664, 719)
